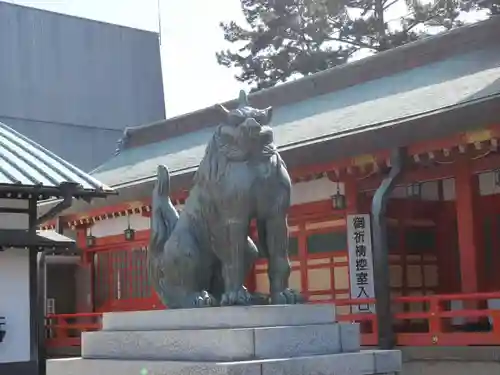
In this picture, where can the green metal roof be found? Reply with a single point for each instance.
(26, 164)
(362, 107)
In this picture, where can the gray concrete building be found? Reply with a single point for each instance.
(73, 84)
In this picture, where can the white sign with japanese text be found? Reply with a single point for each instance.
(359, 244)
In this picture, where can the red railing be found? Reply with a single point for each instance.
(432, 326)
(65, 330)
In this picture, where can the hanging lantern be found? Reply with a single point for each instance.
(129, 232)
(338, 200)
(90, 239)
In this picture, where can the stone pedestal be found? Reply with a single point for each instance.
(257, 340)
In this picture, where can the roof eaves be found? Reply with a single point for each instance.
(344, 134)
(49, 191)
(412, 55)
(29, 168)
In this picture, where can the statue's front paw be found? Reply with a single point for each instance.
(239, 297)
(203, 299)
(287, 297)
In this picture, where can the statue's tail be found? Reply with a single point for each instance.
(164, 216)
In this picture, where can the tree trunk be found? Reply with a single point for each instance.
(380, 24)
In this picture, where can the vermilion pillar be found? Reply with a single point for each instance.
(466, 189)
(85, 275)
(351, 195)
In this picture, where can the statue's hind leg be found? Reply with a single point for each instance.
(181, 276)
(175, 297)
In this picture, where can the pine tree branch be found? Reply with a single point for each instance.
(312, 39)
(387, 6)
(352, 43)
(427, 19)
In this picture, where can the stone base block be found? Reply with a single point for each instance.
(220, 317)
(361, 363)
(256, 340)
(222, 344)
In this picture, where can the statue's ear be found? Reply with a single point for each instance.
(163, 181)
(243, 99)
(268, 115)
(223, 109)
(225, 113)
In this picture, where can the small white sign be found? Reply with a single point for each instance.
(359, 243)
(50, 306)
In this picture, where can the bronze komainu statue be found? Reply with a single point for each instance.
(202, 256)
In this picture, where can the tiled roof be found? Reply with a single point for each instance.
(42, 238)
(363, 107)
(24, 163)
(423, 52)
(54, 239)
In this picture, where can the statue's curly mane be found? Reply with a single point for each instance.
(213, 163)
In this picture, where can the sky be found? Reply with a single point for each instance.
(190, 37)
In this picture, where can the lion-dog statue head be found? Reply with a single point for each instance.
(244, 134)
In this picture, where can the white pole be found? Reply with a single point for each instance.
(159, 22)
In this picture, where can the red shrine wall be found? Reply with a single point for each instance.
(423, 247)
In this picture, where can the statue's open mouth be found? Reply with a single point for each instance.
(261, 132)
(266, 130)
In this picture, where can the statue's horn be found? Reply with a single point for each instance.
(223, 109)
(243, 99)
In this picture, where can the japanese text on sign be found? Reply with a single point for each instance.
(359, 243)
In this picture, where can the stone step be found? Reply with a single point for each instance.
(361, 363)
(220, 317)
(222, 344)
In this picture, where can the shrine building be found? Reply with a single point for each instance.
(435, 103)
(29, 174)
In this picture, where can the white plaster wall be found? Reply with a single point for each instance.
(302, 192)
(315, 190)
(117, 225)
(449, 189)
(13, 203)
(14, 220)
(429, 190)
(15, 305)
(487, 184)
